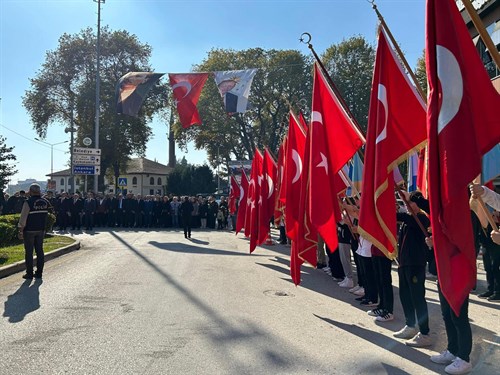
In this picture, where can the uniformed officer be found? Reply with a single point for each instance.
(32, 230)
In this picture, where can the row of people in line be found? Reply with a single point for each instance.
(415, 262)
(134, 211)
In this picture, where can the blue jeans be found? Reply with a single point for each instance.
(34, 239)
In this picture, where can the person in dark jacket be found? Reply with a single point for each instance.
(185, 210)
(89, 209)
(412, 258)
(76, 211)
(32, 230)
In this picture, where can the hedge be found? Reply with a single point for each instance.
(8, 228)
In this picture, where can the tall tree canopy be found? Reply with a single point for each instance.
(283, 79)
(188, 179)
(64, 90)
(350, 64)
(7, 169)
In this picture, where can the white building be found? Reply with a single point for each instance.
(142, 176)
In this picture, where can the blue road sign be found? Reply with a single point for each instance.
(85, 169)
(122, 181)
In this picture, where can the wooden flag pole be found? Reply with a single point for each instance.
(330, 81)
(482, 32)
(398, 50)
(420, 225)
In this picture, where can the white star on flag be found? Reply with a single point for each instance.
(324, 163)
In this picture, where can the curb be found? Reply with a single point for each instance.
(20, 266)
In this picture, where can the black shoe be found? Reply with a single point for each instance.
(318, 266)
(360, 298)
(486, 294)
(37, 275)
(28, 276)
(494, 297)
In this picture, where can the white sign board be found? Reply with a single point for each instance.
(86, 151)
(86, 159)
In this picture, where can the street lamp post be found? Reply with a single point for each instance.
(51, 153)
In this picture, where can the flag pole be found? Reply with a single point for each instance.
(330, 81)
(420, 225)
(482, 32)
(398, 50)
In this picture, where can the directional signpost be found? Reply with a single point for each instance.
(86, 161)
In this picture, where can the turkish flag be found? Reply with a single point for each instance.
(293, 174)
(305, 243)
(254, 187)
(280, 194)
(334, 140)
(242, 204)
(462, 124)
(396, 127)
(186, 89)
(234, 194)
(266, 201)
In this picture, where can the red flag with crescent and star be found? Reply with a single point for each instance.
(279, 198)
(266, 199)
(462, 124)
(186, 89)
(254, 187)
(242, 203)
(334, 140)
(396, 128)
(294, 174)
(234, 195)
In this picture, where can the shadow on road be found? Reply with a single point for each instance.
(274, 355)
(24, 301)
(179, 247)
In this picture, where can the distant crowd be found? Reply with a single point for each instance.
(85, 211)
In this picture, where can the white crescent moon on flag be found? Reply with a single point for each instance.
(452, 87)
(185, 84)
(316, 116)
(382, 96)
(242, 192)
(270, 184)
(298, 165)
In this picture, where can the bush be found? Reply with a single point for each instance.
(8, 227)
(8, 234)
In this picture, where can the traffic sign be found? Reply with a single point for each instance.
(86, 151)
(86, 169)
(86, 159)
(122, 181)
(87, 141)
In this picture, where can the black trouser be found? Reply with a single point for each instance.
(34, 239)
(76, 221)
(89, 220)
(369, 282)
(412, 296)
(491, 260)
(359, 270)
(457, 328)
(335, 264)
(186, 222)
(383, 279)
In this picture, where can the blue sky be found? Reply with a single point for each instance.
(180, 33)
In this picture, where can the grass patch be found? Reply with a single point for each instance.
(15, 252)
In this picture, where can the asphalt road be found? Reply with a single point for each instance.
(136, 302)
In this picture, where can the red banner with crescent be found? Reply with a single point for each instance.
(186, 89)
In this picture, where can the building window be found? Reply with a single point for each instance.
(62, 181)
(134, 181)
(78, 181)
(159, 181)
(151, 192)
(152, 181)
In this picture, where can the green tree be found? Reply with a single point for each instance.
(6, 168)
(188, 179)
(283, 79)
(63, 92)
(350, 65)
(421, 73)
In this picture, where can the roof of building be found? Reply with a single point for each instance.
(134, 166)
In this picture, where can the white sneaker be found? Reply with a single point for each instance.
(445, 358)
(386, 317)
(356, 288)
(326, 269)
(419, 341)
(360, 292)
(375, 312)
(458, 366)
(347, 283)
(406, 333)
(341, 283)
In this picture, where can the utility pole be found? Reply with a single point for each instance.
(97, 85)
